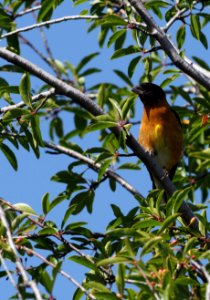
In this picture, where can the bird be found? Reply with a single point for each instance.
(160, 131)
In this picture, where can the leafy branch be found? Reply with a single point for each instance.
(84, 101)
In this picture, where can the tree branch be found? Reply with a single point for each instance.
(94, 166)
(176, 17)
(35, 98)
(84, 101)
(63, 273)
(49, 22)
(10, 276)
(27, 11)
(58, 236)
(185, 64)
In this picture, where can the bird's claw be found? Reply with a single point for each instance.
(166, 174)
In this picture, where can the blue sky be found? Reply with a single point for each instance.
(69, 41)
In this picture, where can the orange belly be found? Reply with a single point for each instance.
(161, 134)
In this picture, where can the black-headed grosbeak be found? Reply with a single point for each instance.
(160, 131)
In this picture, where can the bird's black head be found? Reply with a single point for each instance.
(150, 93)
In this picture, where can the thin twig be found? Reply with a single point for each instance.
(152, 289)
(27, 11)
(51, 59)
(177, 16)
(36, 50)
(94, 166)
(49, 22)
(18, 263)
(49, 263)
(10, 276)
(35, 98)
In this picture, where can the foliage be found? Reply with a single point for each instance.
(147, 253)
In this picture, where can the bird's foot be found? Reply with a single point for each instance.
(166, 174)
(151, 152)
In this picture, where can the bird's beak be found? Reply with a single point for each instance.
(138, 90)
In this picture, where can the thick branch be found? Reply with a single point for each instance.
(85, 102)
(183, 64)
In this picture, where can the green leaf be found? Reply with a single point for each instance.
(102, 35)
(100, 125)
(25, 208)
(11, 68)
(180, 36)
(78, 2)
(190, 244)
(101, 96)
(106, 295)
(132, 66)
(168, 80)
(201, 62)
(120, 278)
(83, 261)
(89, 72)
(48, 230)
(85, 60)
(124, 77)
(9, 155)
(78, 294)
(25, 89)
(204, 40)
(115, 36)
(46, 10)
(151, 244)
(114, 20)
(31, 140)
(113, 260)
(127, 105)
(68, 177)
(147, 223)
(80, 201)
(35, 126)
(179, 196)
(195, 26)
(57, 200)
(119, 232)
(116, 107)
(5, 20)
(183, 280)
(104, 166)
(125, 51)
(68, 213)
(14, 114)
(129, 166)
(56, 126)
(59, 66)
(45, 203)
(167, 223)
(13, 43)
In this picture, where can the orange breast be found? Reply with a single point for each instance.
(161, 134)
